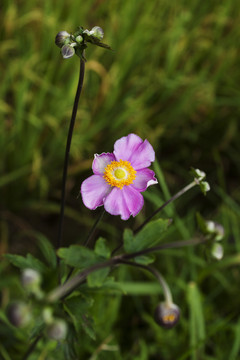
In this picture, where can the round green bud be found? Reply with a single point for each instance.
(19, 314)
(79, 39)
(97, 32)
(57, 330)
(167, 315)
(61, 38)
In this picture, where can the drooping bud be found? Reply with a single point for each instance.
(67, 51)
(57, 330)
(19, 314)
(167, 315)
(97, 32)
(62, 38)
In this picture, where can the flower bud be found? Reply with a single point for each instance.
(213, 227)
(67, 51)
(19, 314)
(167, 315)
(61, 38)
(57, 330)
(97, 32)
(79, 39)
(217, 251)
(30, 279)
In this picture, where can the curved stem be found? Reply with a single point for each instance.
(67, 151)
(160, 278)
(63, 290)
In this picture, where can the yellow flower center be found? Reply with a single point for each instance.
(169, 318)
(119, 173)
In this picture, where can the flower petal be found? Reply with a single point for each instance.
(94, 190)
(144, 178)
(143, 157)
(132, 148)
(126, 146)
(125, 202)
(101, 161)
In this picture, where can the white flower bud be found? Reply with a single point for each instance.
(61, 38)
(217, 251)
(97, 32)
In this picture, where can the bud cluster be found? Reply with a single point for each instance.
(213, 232)
(199, 178)
(76, 43)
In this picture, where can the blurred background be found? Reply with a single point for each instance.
(173, 77)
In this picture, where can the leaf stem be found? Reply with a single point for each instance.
(63, 290)
(67, 151)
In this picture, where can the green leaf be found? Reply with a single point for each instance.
(144, 259)
(102, 249)
(26, 262)
(77, 307)
(149, 236)
(97, 278)
(128, 239)
(47, 250)
(79, 256)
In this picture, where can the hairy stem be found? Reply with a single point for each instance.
(67, 151)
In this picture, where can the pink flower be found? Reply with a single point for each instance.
(120, 177)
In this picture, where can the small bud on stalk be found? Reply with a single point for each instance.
(19, 314)
(57, 330)
(167, 315)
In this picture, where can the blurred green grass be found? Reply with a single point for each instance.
(173, 78)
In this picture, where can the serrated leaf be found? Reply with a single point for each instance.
(79, 256)
(26, 262)
(97, 278)
(101, 248)
(149, 236)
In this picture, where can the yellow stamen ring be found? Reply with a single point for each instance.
(119, 173)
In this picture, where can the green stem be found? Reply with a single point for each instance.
(32, 347)
(67, 151)
(174, 197)
(63, 290)
(94, 228)
(160, 278)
